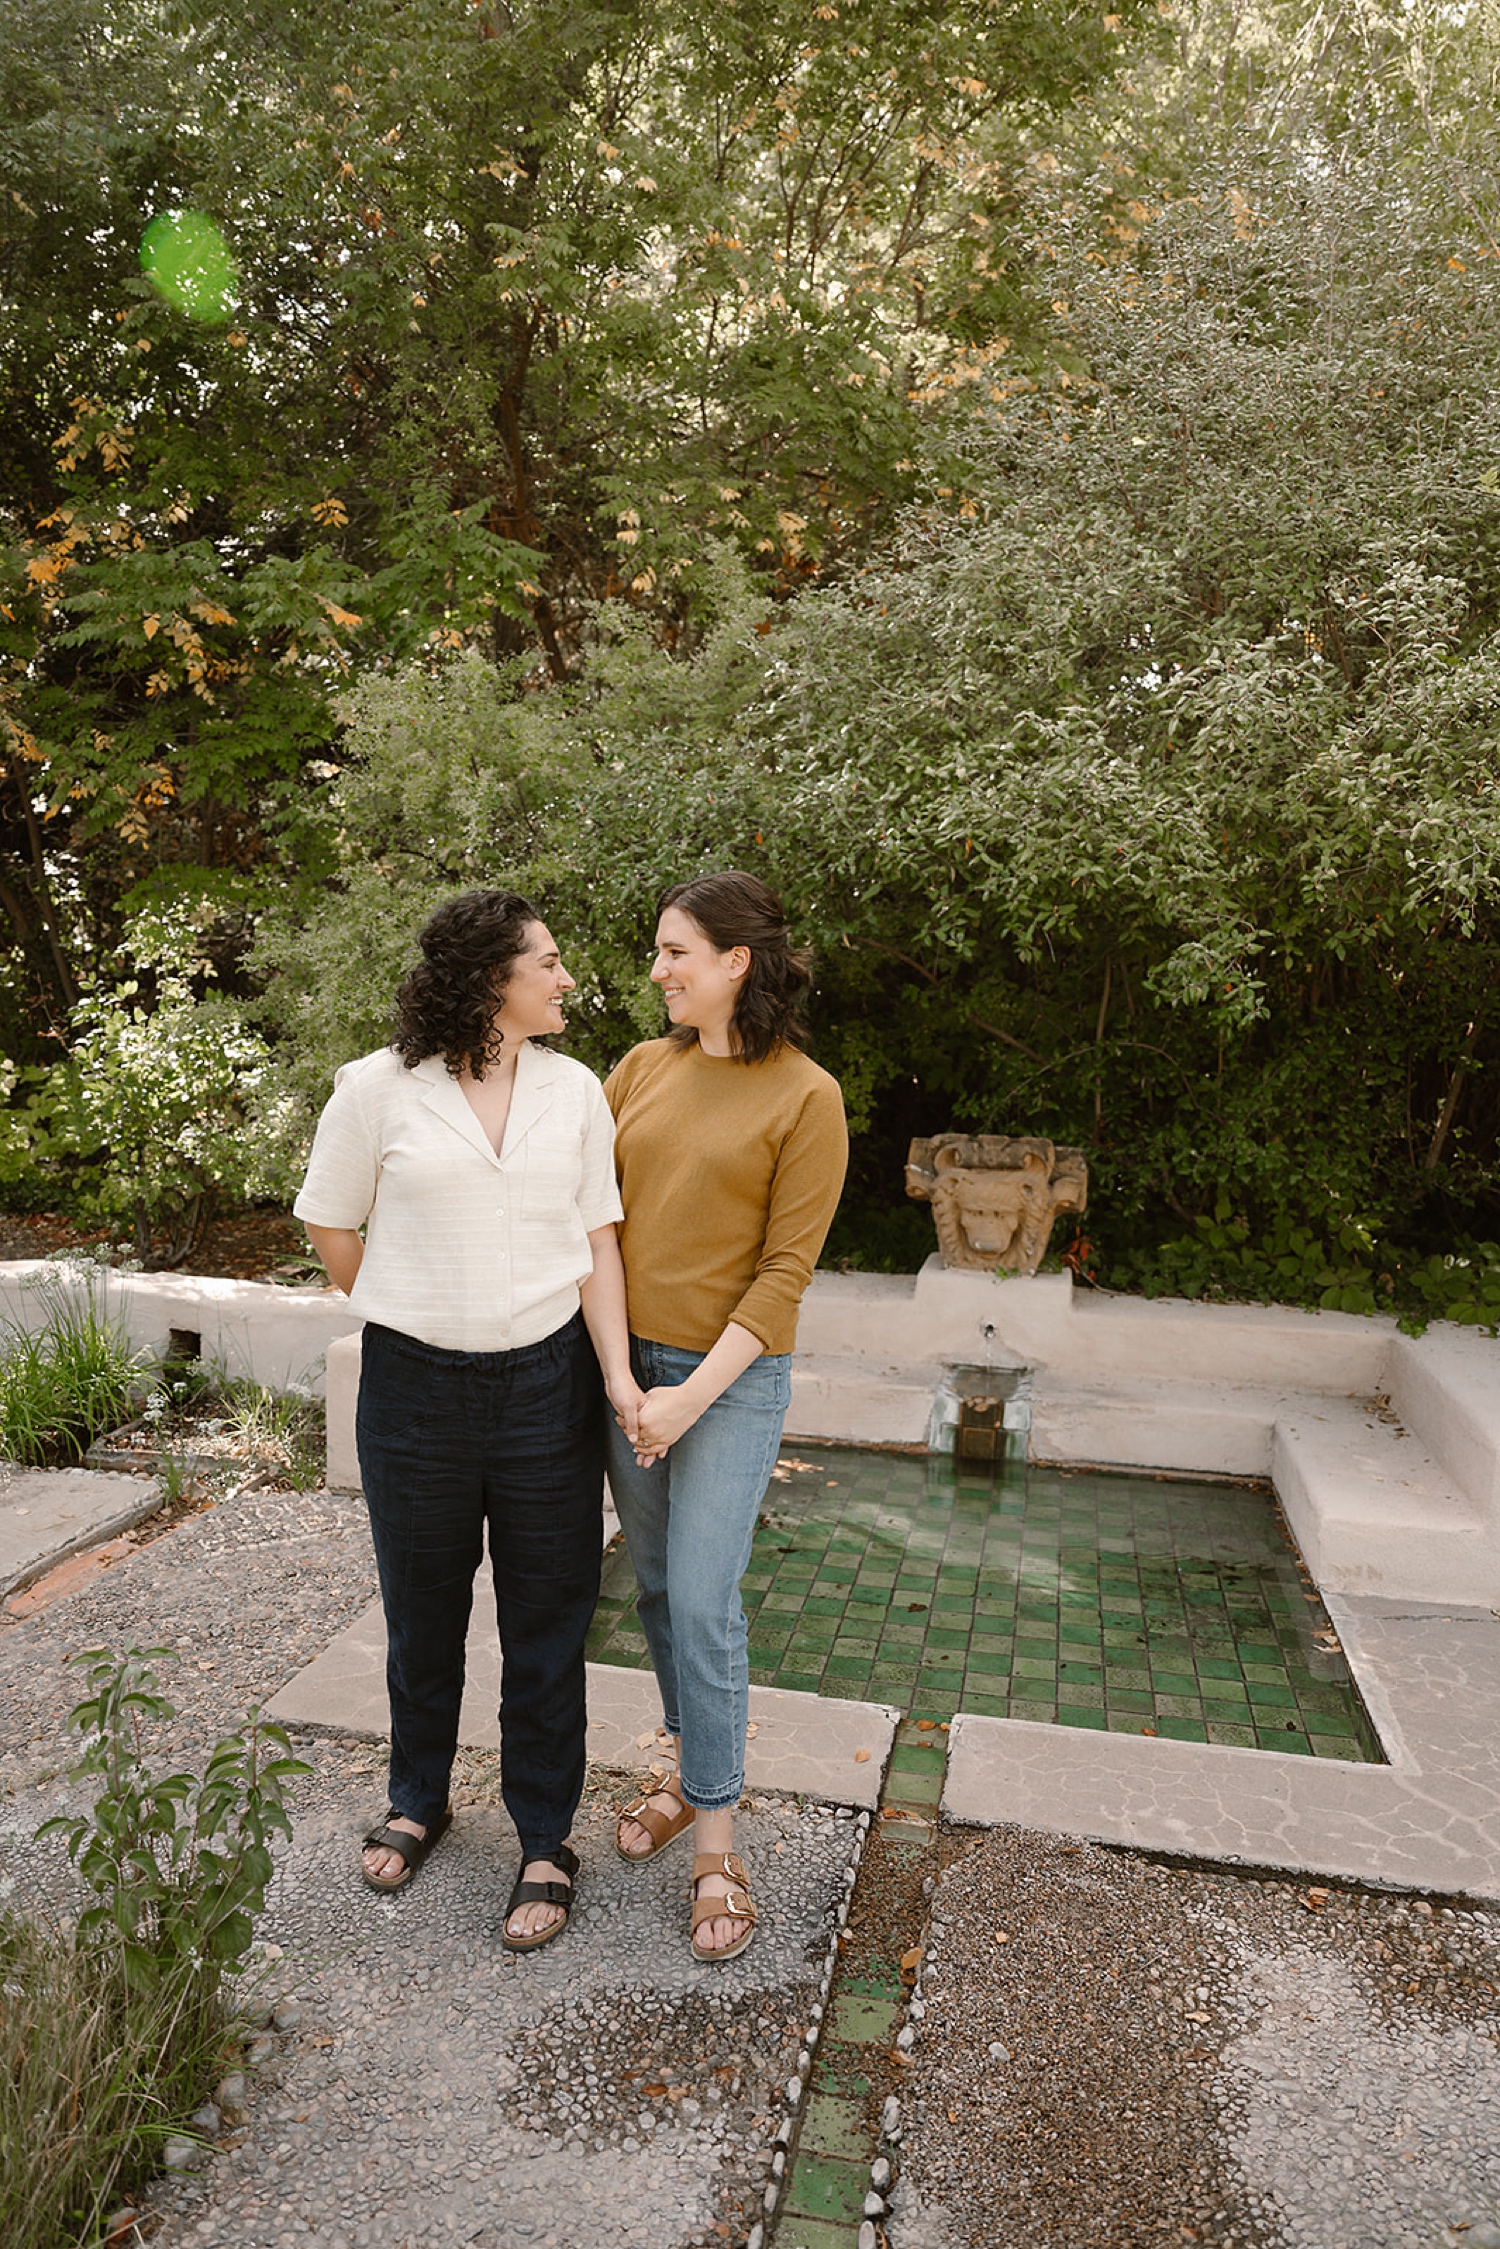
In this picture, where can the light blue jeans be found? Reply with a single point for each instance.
(689, 1522)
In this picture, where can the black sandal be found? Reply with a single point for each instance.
(412, 1850)
(541, 1893)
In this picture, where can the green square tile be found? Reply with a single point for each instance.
(820, 1604)
(1076, 1714)
(1218, 1667)
(846, 1667)
(1078, 1695)
(1174, 1728)
(1033, 1690)
(1234, 1709)
(1033, 1667)
(986, 1706)
(923, 1755)
(939, 1638)
(924, 1789)
(1130, 1700)
(1293, 1744)
(1173, 1682)
(1266, 1695)
(1084, 1674)
(1230, 1735)
(1324, 1722)
(832, 2126)
(981, 1660)
(861, 2020)
(799, 1682)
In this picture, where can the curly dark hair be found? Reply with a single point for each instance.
(447, 1004)
(737, 909)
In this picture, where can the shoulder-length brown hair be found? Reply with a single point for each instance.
(448, 1003)
(738, 909)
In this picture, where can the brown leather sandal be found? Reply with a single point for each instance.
(738, 1905)
(662, 1827)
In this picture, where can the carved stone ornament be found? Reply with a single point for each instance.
(994, 1198)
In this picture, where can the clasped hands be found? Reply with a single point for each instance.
(652, 1420)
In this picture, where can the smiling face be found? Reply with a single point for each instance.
(699, 983)
(531, 1004)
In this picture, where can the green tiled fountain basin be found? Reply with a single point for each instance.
(1132, 1602)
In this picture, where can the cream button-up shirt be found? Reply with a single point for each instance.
(463, 1248)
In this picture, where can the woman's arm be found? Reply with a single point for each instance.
(342, 1250)
(602, 1296)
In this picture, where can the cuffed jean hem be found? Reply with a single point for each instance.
(689, 1521)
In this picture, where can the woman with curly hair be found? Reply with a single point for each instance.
(731, 1147)
(480, 1167)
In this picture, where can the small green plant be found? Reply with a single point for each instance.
(72, 1378)
(113, 2030)
(286, 1426)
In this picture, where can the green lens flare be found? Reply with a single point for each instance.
(186, 258)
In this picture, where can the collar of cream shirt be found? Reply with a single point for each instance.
(537, 1073)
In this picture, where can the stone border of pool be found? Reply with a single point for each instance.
(1428, 1820)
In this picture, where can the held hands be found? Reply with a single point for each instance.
(665, 1414)
(627, 1399)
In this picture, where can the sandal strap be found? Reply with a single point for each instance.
(539, 1893)
(406, 1847)
(737, 1905)
(550, 1892)
(410, 1849)
(662, 1827)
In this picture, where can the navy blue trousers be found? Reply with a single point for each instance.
(451, 1444)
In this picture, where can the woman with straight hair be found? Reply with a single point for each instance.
(480, 1166)
(731, 1147)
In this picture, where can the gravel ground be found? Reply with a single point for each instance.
(1113, 2054)
(247, 1592)
(418, 2083)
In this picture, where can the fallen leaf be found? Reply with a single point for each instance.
(655, 2092)
(1148, 1730)
(924, 1725)
(912, 1960)
(1002, 1936)
(752, 1729)
(1199, 2018)
(861, 1757)
(906, 2061)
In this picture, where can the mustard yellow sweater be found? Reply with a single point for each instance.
(730, 1174)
